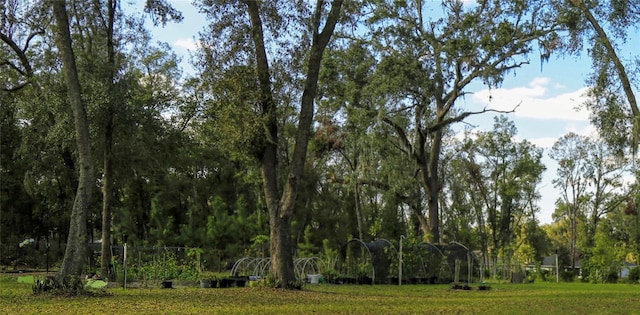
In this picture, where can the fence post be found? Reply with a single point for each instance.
(400, 261)
(557, 268)
(124, 264)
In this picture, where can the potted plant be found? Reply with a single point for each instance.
(330, 275)
(364, 273)
(205, 283)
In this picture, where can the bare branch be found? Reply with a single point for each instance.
(373, 183)
(30, 37)
(461, 117)
(20, 53)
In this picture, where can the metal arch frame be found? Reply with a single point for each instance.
(469, 260)
(300, 271)
(442, 256)
(259, 265)
(389, 242)
(236, 265)
(373, 268)
(262, 265)
(438, 249)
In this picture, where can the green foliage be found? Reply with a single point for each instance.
(329, 261)
(634, 275)
(567, 276)
(69, 286)
(307, 249)
(603, 262)
(133, 274)
(166, 266)
(497, 177)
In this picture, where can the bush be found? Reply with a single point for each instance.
(634, 275)
(132, 276)
(168, 267)
(567, 276)
(69, 286)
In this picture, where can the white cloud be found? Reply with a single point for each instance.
(536, 101)
(584, 130)
(544, 142)
(186, 43)
(577, 128)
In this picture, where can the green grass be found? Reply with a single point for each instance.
(537, 298)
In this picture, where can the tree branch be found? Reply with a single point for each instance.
(15, 88)
(21, 55)
(30, 37)
(13, 66)
(461, 117)
(369, 182)
(401, 134)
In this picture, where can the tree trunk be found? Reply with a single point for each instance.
(280, 245)
(432, 182)
(357, 208)
(76, 249)
(573, 231)
(107, 179)
(105, 257)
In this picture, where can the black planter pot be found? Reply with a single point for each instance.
(167, 284)
(460, 287)
(365, 280)
(347, 280)
(227, 282)
(240, 282)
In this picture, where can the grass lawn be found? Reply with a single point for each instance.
(537, 298)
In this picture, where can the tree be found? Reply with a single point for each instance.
(161, 12)
(375, 182)
(606, 256)
(427, 64)
(24, 129)
(76, 250)
(267, 17)
(107, 173)
(504, 175)
(605, 180)
(572, 154)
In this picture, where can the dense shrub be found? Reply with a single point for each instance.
(634, 275)
(69, 286)
(567, 276)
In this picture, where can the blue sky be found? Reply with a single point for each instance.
(547, 95)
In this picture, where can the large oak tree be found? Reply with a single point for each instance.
(268, 29)
(427, 65)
